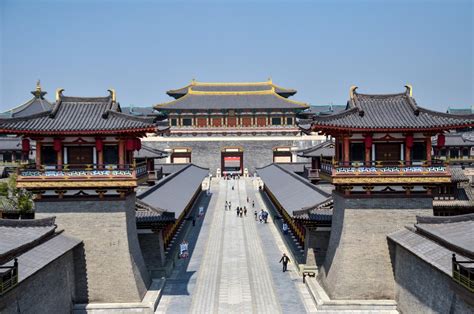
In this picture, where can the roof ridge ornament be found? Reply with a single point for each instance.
(270, 81)
(112, 94)
(38, 92)
(352, 91)
(59, 93)
(409, 90)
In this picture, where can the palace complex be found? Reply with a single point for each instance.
(233, 128)
(134, 209)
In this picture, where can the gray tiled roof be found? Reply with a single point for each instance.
(10, 143)
(456, 232)
(464, 139)
(431, 252)
(297, 167)
(385, 112)
(171, 168)
(293, 192)
(13, 238)
(231, 87)
(457, 175)
(174, 192)
(231, 101)
(35, 105)
(43, 254)
(149, 152)
(326, 149)
(79, 115)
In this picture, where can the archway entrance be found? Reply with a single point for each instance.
(232, 160)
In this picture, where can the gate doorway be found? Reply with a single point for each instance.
(232, 161)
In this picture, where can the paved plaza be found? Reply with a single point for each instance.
(233, 266)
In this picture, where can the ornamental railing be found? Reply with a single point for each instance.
(8, 277)
(82, 171)
(377, 167)
(463, 273)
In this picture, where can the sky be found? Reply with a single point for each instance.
(320, 48)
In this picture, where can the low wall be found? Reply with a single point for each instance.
(421, 288)
(50, 290)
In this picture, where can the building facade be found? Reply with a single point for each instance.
(230, 127)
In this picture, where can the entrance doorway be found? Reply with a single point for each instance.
(80, 156)
(232, 161)
(388, 153)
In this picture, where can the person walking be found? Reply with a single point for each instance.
(253, 204)
(285, 228)
(256, 215)
(245, 211)
(238, 211)
(248, 199)
(285, 259)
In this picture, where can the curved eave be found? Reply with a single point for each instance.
(170, 105)
(323, 128)
(79, 132)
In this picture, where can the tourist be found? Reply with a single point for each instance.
(248, 199)
(241, 212)
(245, 211)
(194, 221)
(183, 249)
(253, 204)
(238, 211)
(285, 259)
(285, 228)
(201, 211)
(256, 215)
(232, 188)
(260, 216)
(265, 216)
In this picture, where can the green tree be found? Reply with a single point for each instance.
(18, 198)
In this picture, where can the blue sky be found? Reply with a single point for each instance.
(320, 48)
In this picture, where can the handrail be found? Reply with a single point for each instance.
(10, 278)
(463, 275)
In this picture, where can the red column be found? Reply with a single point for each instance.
(345, 150)
(336, 149)
(38, 154)
(428, 149)
(121, 156)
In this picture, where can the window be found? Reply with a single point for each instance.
(418, 151)
(289, 121)
(276, 121)
(453, 153)
(187, 121)
(48, 155)
(174, 122)
(110, 154)
(357, 151)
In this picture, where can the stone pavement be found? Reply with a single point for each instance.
(233, 267)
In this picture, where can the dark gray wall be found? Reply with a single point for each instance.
(50, 290)
(151, 250)
(317, 243)
(111, 267)
(357, 264)
(208, 153)
(421, 288)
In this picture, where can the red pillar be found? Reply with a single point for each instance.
(428, 148)
(345, 150)
(121, 151)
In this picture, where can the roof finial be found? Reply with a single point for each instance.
(352, 91)
(270, 80)
(112, 94)
(59, 93)
(38, 86)
(193, 81)
(409, 90)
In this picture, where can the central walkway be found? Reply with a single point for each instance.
(233, 267)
